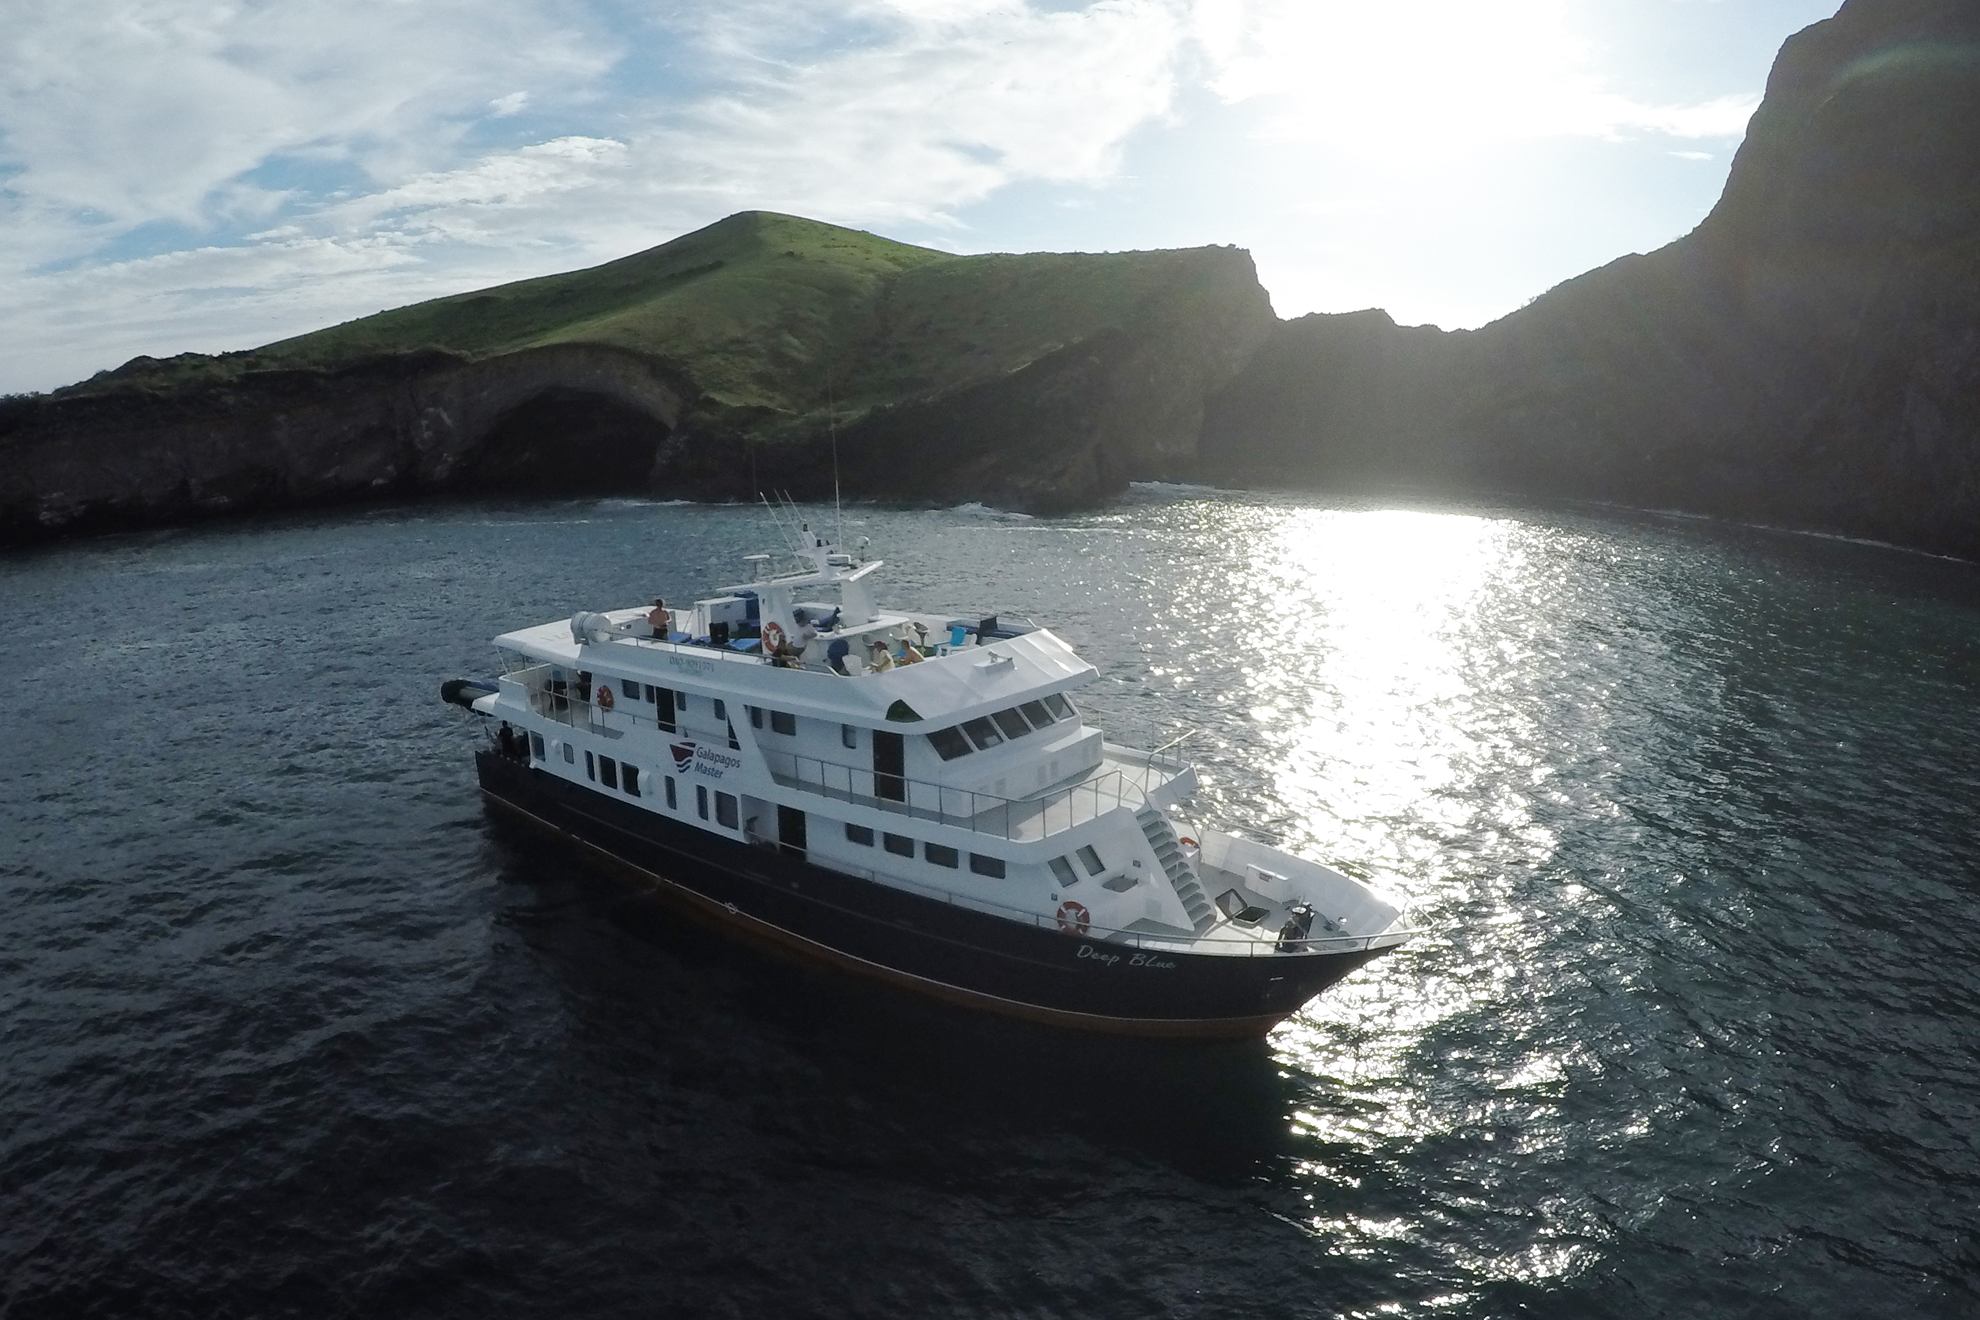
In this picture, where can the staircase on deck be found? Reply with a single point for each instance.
(1181, 871)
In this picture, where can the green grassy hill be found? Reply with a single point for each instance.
(772, 317)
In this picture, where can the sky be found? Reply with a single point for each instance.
(210, 175)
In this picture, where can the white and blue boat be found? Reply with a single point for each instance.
(913, 797)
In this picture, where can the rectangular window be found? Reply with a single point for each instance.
(849, 735)
(590, 767)
(1091, 860)
(721, 710)
(941, 854)
(783, 722)
(608, 771)
(701, 800)
(1035, 712)
(536, 748)
(570, 754)
(1063, 870)
(949, 743)
(725, 811)
(629, 780)
(663, 706)
(860, 835)
(680, 700)
(1061, 708)
(1011, 723)
(673, 803)
(983, 733)
(990, 866)
(756, 717)
(899, 845)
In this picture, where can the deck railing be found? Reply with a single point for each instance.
(1264, 945)
(981, 813)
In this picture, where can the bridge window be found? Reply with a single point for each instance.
(949, 743)
(1011, 723)
(1035, 712)
(983, 733)
(1061, 708)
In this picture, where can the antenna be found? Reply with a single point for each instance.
(838, 509)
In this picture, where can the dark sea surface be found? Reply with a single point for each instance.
(288, 1026)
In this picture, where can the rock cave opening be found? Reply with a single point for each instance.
(566, 442)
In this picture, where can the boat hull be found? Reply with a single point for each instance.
(771, 897)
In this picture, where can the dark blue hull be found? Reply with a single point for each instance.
(772, 897)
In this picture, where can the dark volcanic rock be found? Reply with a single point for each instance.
(1810, 355)
(407, 424)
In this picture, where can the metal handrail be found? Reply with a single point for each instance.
(1256, 948)
(980, 813)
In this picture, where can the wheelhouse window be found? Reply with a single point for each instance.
(1011, 723)
(898, 844)
(941, 855)
(608, 772)
(1091, 860)
(990, 866)
(725, 811)
(950, 743)
(1035, 712)
(1062, 870)
(782, 721)
(859, 834)
(983, 733)
(1061, 708)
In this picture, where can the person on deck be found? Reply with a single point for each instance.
(881, 659)
(663, 624)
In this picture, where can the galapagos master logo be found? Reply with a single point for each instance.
(703, 760)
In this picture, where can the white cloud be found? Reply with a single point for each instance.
(1431, 75)
(320, 163)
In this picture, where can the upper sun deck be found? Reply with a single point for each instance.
(953, 684)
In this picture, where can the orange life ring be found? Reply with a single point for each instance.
(604, 697)
(1185, 839)
(1074, 919)
(773, 637)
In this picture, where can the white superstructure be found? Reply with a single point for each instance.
(948, 760)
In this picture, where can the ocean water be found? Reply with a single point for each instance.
(289, 1026)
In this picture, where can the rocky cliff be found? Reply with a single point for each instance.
(1809, 356)
(713, 366)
